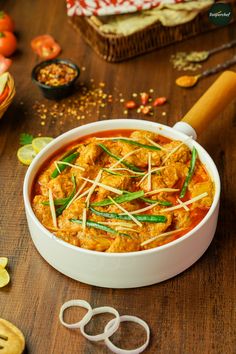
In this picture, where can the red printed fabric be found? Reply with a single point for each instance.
(112, 7)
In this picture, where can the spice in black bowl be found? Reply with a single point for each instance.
(56, 77)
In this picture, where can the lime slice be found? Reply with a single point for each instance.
(4, 277)
(39, 143)
(26, 154)
(3, 262)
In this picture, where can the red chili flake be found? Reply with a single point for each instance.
(146, 110)
(159, 101)
(130, 104)
(144, 97)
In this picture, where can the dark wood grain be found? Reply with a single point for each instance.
(191, 313)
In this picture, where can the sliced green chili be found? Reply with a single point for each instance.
(150, 201)
(99, 226)
(121, 174)
(132, 142)
(68, 199)
(69, 158)
(160, 202)
(63, 202)
(190, 173)
(121, 199)
(140, 217)
(128, 165)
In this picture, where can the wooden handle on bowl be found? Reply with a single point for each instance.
(213, 102)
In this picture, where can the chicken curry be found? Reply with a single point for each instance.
(122, 191)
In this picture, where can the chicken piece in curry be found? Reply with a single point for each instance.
(122, 191)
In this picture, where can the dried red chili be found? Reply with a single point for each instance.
(159, 101)
(56, 74)
(144, 98)
(130, 104)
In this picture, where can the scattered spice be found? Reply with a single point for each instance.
(89, 101)
(56, 74)
(146, 110)
(197, 57)
(187, 81)
(180, 61)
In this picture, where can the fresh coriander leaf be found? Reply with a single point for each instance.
(26, 138)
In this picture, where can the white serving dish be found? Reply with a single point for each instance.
(123, 270)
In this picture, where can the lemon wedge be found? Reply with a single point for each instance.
(26, 154)
(40, 142)
(3, 262)
(4, 277)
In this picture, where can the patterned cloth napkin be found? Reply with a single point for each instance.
(113, 7)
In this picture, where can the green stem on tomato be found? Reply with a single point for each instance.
(190, 173)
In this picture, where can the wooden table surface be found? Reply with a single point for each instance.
(192, 313)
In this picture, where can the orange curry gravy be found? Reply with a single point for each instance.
(171, 161)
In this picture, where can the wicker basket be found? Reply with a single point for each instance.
(6, 103)
(115, 48)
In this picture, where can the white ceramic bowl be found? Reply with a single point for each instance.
(122, 270)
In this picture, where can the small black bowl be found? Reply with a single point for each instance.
(55, 92)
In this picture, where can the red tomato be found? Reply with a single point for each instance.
(6, 22)
(8, 43)
(4, 95)
(49, 51)
(40, 40)
(46, 47)
(4, 64)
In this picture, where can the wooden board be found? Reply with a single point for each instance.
(193, 313)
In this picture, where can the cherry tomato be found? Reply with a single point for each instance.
(46, 47)
(8, 43)
(5, 63)
(6, 22)
(4, 95)
(39, 41)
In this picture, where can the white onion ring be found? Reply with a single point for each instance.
(117, 350)
(112, 327)
(80, 303)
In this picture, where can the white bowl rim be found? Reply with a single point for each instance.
(61, 137)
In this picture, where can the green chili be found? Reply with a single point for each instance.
(63, 202)
(132, 142)
(153, 201)
(140, 217)
(190, 173)
(121, 174)
(69, 158)
(150, 201)
(128, 165)
(99, 226)
(121, 199)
